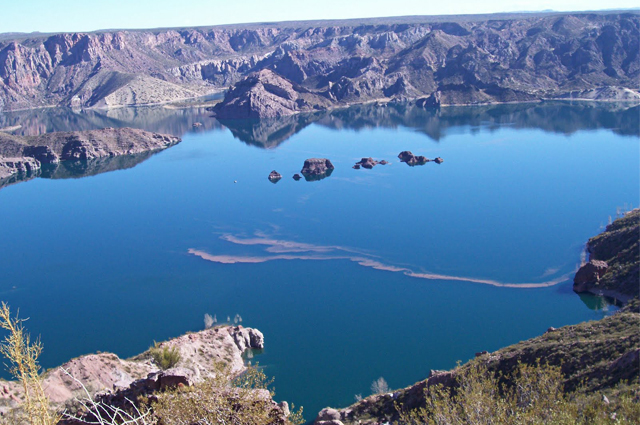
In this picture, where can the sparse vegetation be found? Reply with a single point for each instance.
(208, 321)
(223, 399)
(534, 394)
(165, 356)
(379, 386)
(22, 354)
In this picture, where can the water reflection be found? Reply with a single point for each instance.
(269, 133)
(564, 118)
(78, 169)
(161, 119)
(555, 117)
(598, 303)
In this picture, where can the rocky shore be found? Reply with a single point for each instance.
(26, 155)
(106, 373)
(600, 357)
(601, 354)
(614, 261)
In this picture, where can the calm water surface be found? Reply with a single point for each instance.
(386, 272)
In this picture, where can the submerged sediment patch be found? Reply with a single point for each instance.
(279, 249)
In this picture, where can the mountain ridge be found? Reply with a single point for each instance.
(471, 59)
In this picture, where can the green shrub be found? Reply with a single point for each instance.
(164, 356)
(223, 399)
(532, 395)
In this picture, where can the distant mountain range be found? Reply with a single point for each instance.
(466, 59)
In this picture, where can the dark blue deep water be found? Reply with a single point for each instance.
(98, 255)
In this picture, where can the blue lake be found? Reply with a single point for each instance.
(386, 272)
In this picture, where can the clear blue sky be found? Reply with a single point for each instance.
(89, 15)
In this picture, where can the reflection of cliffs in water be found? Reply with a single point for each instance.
(77, 169)
(436, 123)
(557, 117)
(269, 132)
(554, 117)
(159, 119)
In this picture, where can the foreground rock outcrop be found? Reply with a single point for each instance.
(27, 154)
(593, 356)
(108, 374)
(436, 60)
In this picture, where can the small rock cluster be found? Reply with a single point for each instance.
(411, 159)
(368, 163)
(320, 168)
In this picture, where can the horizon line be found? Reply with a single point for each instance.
(326, 20)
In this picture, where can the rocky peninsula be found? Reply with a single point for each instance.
(603, 355)
(599, 358)
(434, 60)
(107, 374)
(26, 155)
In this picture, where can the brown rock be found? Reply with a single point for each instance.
(274, 176)
(368, 163)
(316, 169)
(589, 274)
(411, 159)
(265, 94)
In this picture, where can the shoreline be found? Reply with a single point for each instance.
(181, 104)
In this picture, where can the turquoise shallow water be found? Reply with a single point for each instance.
(103, 262)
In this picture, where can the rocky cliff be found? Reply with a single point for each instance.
(107, 373)
(443, 60)
(613, 269)
(26, 155)
(266, 94)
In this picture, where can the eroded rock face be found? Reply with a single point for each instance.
(433, 101)
(317, 168)
(109, 374)
(246, 338)
(328, 416)
(20, 165)
(19, 154)
(266, 94)
(475, 60)
(589, 274)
